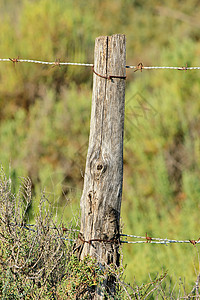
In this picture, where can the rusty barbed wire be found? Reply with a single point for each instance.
(141, 67)
(54, 63)
(143, 239)
(58, 63)
(107, 77)
(152, 240)
(30, 227)
(106, 241)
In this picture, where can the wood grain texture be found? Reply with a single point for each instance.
(102, 192)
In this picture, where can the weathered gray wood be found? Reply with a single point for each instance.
(102, 192)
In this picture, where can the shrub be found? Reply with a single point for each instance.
(37, 261)
(33, 258)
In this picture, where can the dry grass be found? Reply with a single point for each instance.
(37, 262)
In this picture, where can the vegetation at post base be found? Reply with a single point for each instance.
(44, 128)
(37, 260)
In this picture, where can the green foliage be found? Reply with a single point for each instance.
(37, 261)
(81, 278)
(45, 114)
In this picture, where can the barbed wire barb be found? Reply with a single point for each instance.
(139, 66)
(54, 63)
(152, 240)
(145, 239)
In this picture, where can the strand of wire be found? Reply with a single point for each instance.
(162, 67)
(49, 227)
(162, 241)
(140, 66)
(146, 239)
(152, 240)
(31, 226)
(55, 63)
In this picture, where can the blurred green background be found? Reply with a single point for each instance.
(45, 115)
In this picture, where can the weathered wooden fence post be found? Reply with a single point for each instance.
(102, 192)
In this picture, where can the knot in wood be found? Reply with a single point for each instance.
(100, 168)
